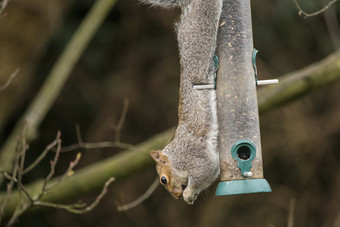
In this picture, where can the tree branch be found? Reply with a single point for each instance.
(297, 84)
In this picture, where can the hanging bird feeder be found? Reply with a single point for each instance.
(237, 108)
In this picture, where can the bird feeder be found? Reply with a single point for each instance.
(237, 108)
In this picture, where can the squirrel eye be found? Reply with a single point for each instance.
(163, 180)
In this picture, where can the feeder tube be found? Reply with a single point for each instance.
(237, 106)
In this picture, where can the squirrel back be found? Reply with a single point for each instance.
(190, 162)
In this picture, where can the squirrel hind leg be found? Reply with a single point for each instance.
(200, 182)
(192, 190)
(190, 195)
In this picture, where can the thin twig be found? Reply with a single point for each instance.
(16, 214)
(78, 134)
(27, 194)
(301, 12)
(20, 185)
(21, 161)
(104, 144)
(14, 174)
(42, 155)
(79, 208)
(68, 207)
(68, 172)
(142, 198)
(3, 5)
(333, 26)
(9, 193)
(290, 222)
(22, 206)
(52, 171)
(20, 155)
(336, 222)
(11, 77)
(121, 121)
(100, 196)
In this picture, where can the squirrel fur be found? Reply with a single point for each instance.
(189, 164)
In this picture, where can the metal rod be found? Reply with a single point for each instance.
(267, 82)
(204, 86)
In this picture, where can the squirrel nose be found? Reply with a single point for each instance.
(177, 193)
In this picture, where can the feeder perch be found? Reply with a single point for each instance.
(237, 108)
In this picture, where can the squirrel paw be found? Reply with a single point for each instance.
(189, 196)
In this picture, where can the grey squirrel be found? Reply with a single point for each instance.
(189, 164)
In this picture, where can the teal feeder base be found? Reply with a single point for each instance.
(242, 187)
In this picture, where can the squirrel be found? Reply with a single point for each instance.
(189, 164)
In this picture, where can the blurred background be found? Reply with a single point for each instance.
(134, 55)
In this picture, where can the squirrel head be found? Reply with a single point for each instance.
(175, 181)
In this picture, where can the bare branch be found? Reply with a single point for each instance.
(68, 172)
(337, 220)
(11, 77)
(24, 204)
(20, 185)
(53, 165)
(42, 155)
(16, 214)
(3, 5)
(79, 208)
(301, 12)
(20, 151)
(121, 121)
(104, 144)
(333, 26)
(78, 133)
(24, 196)
(141, 199)
(99, 197)
(291, 212)
(9, 193)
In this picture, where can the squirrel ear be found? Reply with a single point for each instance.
(159, 157)
(155, 155)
